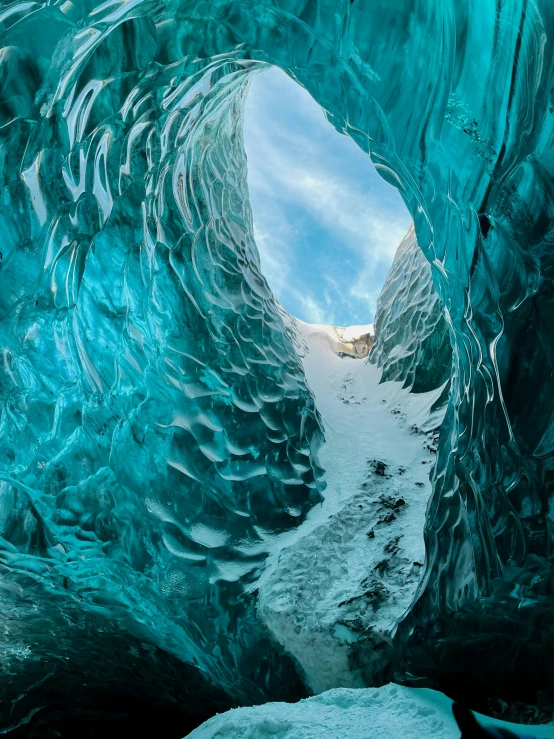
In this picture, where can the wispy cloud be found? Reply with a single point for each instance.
(326, 224)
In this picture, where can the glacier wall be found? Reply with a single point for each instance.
(157, 431)
(412, 337)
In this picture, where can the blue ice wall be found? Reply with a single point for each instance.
(157, 432)
(412, 341)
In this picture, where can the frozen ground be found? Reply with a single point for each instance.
(333, 594)
(390, 712)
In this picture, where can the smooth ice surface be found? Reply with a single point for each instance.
(157, 432)
(390, 712)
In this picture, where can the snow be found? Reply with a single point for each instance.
(351, 333)
(355, 341)
(390, 712)
(335, 590)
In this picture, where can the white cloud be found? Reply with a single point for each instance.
(304, 165)
(314, 311)
(276, 258)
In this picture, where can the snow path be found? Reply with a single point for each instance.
(390, 712)
(334, 592)
(363, 420)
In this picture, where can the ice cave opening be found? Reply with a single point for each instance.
(336, 241)
(175, 537)
(325, 223)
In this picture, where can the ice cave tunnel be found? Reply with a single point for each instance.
(169, 549)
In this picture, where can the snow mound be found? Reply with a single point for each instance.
(345, 341)
(390, 712)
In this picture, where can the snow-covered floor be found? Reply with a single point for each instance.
(335, 590)
(390, 712)
(363, 419)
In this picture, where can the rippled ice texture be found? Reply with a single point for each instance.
(412, 345)
(157, 431)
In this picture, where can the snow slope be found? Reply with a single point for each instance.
(333, 594)
(354, 341)
(390, 712)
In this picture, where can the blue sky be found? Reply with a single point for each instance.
(325, 223)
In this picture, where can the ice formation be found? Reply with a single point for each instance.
(413, 345)
(158, 438)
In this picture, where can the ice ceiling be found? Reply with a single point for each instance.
(157, 433)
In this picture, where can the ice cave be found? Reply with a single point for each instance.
(183, 547)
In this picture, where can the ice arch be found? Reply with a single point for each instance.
(143, 354)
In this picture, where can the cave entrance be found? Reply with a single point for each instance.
(338, 250)
(326, 224)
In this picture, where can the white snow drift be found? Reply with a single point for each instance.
(390, 712)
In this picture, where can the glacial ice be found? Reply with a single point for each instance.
(412, 343)
(157, 431)
(158, 436)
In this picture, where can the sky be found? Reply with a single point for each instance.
(325, 223)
